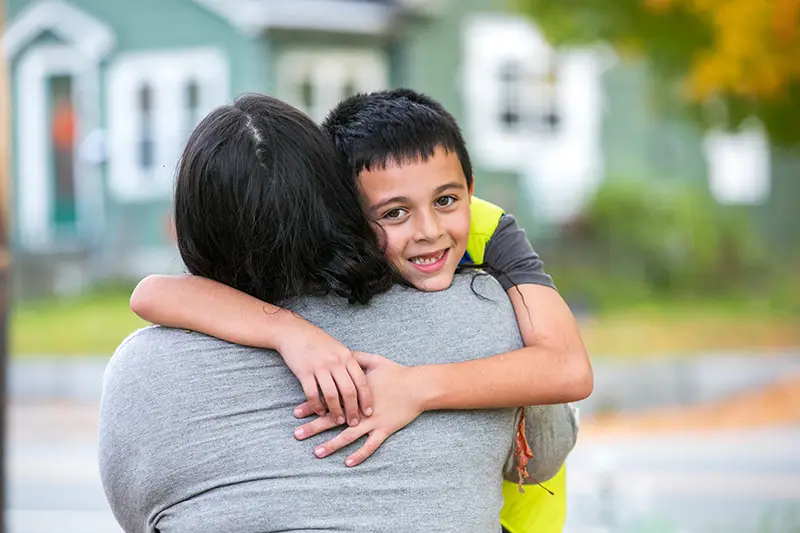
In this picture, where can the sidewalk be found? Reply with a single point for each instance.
(775, 405)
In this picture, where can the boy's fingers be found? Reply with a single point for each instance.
(331, 395)
(344, 438)
(311, 391)
(375, 439)
(303, 410)
(347, 390)
(362, 387)
(315, 427)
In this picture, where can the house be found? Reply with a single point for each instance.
(105, 92)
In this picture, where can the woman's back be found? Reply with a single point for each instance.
(201, 430)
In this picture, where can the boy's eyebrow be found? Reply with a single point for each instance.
(451, 185)
(393, 199)
(404, 199)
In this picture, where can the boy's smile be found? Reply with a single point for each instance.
(423, 210)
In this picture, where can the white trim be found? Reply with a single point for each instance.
(93, 38)
(329, 71)
(168, 74)
(343, 16)
(35, 189)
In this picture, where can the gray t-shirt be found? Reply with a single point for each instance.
(196, 433)
(510, 258)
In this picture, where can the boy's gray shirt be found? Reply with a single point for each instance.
(196, 433)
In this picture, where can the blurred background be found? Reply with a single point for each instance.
(651, 148)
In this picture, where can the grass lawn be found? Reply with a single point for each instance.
(688, 328)
(96, 323)
(93, 324)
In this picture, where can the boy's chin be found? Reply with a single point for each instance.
(434, 284)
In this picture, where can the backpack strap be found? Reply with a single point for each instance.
(485, 217)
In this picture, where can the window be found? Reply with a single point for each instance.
(514, 95)
(527, 99)
(510, 80)
(316, 80)
(145, 115)
(306, 91)
(155, 100)
(545, 114)
(192, 100)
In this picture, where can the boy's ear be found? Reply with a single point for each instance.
(472, 186)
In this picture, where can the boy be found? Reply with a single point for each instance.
(415, 179)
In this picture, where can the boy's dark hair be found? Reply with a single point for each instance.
(261, 205)
(371, 130)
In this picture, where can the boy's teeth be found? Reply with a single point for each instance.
(427, 260)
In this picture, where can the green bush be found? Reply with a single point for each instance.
(645, 239)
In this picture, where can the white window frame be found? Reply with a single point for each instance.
(35, 188)
(168, 74)
(490, 42)
(329, 72)
(561, 165)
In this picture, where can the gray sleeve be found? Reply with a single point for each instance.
(552, 431)
(510, 258)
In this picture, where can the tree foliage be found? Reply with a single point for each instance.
(725, 60)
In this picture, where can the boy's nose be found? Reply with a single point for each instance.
(428, 228)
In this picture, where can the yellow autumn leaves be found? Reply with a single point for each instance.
(755, 48)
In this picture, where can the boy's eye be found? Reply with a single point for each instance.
(395, 214)
(445, 201)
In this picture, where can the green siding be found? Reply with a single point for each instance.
(638, 141)
(780, 216)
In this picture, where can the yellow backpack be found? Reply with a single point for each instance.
(536, 510)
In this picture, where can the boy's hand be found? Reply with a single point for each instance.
(395, 407)
(322, 363)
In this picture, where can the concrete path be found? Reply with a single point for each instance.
(731, 482)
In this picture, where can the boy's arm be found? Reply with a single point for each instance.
(552, 368)
(320, 362)
(548, 327)
(206, 306)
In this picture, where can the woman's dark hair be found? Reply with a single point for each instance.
(261, 205)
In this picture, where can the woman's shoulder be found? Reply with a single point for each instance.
(155, 336)
(472, 290)
(150, 348)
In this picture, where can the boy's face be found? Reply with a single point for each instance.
(423, 208)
